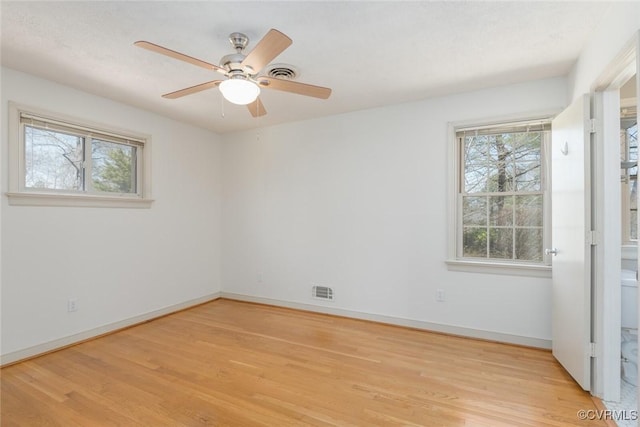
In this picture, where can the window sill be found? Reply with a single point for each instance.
(499, 268)
(72, 200)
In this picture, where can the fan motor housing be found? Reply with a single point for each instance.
(239, 41)
(233, 61)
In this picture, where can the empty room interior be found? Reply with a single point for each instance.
(319, 213)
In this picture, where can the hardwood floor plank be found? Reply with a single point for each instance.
(229, 363)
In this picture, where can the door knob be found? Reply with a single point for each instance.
(553, 251)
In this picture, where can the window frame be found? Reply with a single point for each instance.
(20, 195)
(455, 261)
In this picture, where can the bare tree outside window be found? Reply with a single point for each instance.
(502, 195)
(53, 160)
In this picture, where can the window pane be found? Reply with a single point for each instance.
(114, 167)
(474, 242)
(500, 177)
(527, 161)
(527, 146)
(529, 211)
(501, 243)
(53, 160)
(475, 210)
(529, 244)
(633, 205)
(527, 176)
(501, 210)
(475, 164)
(632, 140)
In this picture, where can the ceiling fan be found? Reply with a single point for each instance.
(242, 85)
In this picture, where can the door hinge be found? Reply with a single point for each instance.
(592, 237)
(592, 125)
(592, 350)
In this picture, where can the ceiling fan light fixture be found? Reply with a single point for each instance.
(243, 84)
(238, 90)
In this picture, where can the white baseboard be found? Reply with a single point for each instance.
(49, 346)
(418, 324)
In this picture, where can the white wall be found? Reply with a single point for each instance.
(118, 263)
(613, 33)
(358, 202)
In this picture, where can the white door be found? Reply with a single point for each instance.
(571, 223)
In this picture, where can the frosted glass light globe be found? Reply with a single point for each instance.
(239, 91)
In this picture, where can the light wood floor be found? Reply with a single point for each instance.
(229, 363)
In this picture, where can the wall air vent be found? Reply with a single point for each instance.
(322, 292)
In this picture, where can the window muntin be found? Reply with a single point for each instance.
(501, 206)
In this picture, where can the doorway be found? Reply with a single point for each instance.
(615, 298)
(627, 399)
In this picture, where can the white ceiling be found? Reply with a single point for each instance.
(370, 53)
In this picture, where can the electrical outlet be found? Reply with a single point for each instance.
(72, 305)
(440, 295)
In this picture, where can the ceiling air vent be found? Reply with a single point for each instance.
(282, 71)
(322, 292)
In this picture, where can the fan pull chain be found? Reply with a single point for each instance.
(222, 107)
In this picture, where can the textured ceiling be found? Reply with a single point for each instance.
(370, 53)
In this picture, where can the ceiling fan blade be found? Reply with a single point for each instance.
(271, 45)
(192, 89)
(256, 108)
(177, 55)
(294, 87)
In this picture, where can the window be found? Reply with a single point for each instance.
(500, 189)
(62, 161)
(629, 174)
